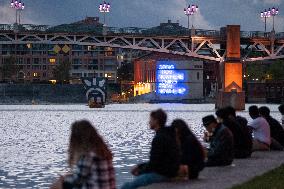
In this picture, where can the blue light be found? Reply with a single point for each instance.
(169, 80)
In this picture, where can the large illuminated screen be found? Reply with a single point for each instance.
(169, 80)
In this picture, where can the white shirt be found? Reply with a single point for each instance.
(261, 130)
(283, 121)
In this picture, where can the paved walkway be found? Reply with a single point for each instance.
(226, 177)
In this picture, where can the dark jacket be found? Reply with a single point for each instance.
(192, 155)
(221, 148)
(243, 123)
(164, 154)
(242, 138)
(276, 130)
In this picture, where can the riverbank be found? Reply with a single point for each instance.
(226, 177)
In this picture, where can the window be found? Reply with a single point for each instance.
(44, 67)
(35, 74)
(52, 60)
(198, 75)
(36, 60)
(44, 74)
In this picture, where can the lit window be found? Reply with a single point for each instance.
(35, 74)
(29, 45)
(89, 48)
(52, 60)
(53, 81)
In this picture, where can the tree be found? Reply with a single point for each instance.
(61, 72)
(276, 70)
(9, 68)
(256, 71)
(126, 72)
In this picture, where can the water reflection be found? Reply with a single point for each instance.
(34, 139)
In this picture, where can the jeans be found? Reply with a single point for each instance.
(144, 180)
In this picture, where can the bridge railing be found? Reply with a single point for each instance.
(23, 27)
(254, 34)
(279, 35)
(137, 31)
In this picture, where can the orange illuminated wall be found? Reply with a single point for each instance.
(233, 77)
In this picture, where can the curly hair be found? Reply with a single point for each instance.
(84, 138)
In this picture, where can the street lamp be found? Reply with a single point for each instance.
(265, 14)
(104, 8)
(190, 11)
(268, 13)
(19, 6)
(274, 12)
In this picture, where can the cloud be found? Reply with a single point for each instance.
(148, 13)
(8, 15)
(273, 2)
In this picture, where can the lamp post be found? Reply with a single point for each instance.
(190, 11)
(104, 8)
(18, 6)
(265, 14)
(274, 12)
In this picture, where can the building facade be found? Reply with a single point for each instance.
(169, 77)
(35, 61)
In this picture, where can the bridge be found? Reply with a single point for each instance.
(229, 46)
(196, 43)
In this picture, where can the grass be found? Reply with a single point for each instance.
(271, 180)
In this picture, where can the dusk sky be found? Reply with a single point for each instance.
(147, 13)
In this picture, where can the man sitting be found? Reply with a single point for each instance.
(261, 131)
(221, 148)
(242, 136)
(276, 130)
(164, 155)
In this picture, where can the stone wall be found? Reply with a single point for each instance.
(41, 93)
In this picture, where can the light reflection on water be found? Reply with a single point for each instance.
(34, 139)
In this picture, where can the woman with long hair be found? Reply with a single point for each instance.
(89, 159)
(192, 152)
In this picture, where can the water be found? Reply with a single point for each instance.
(34, 139)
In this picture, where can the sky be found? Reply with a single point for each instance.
(213, 14)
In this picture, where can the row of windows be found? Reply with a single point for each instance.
(49, 47)
(73, 53)
(108, 75)
(53, 61)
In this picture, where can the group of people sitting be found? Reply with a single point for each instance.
(175, 153)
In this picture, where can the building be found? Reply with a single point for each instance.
(36, 61)
(169, 77)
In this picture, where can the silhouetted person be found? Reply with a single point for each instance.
(164, 155)
(243, 123)
(261, 130)
(192, 152)
(89, 159)
(276, 130)
(221, 151)
(281, 110)
(242, 137)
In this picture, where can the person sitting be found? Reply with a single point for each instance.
(243, 124)
(242, 137)
(261, 130)
(164, 155)
(89, 159)
(192, 152)
(220, 152)
(281, 110)
(276, 130)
